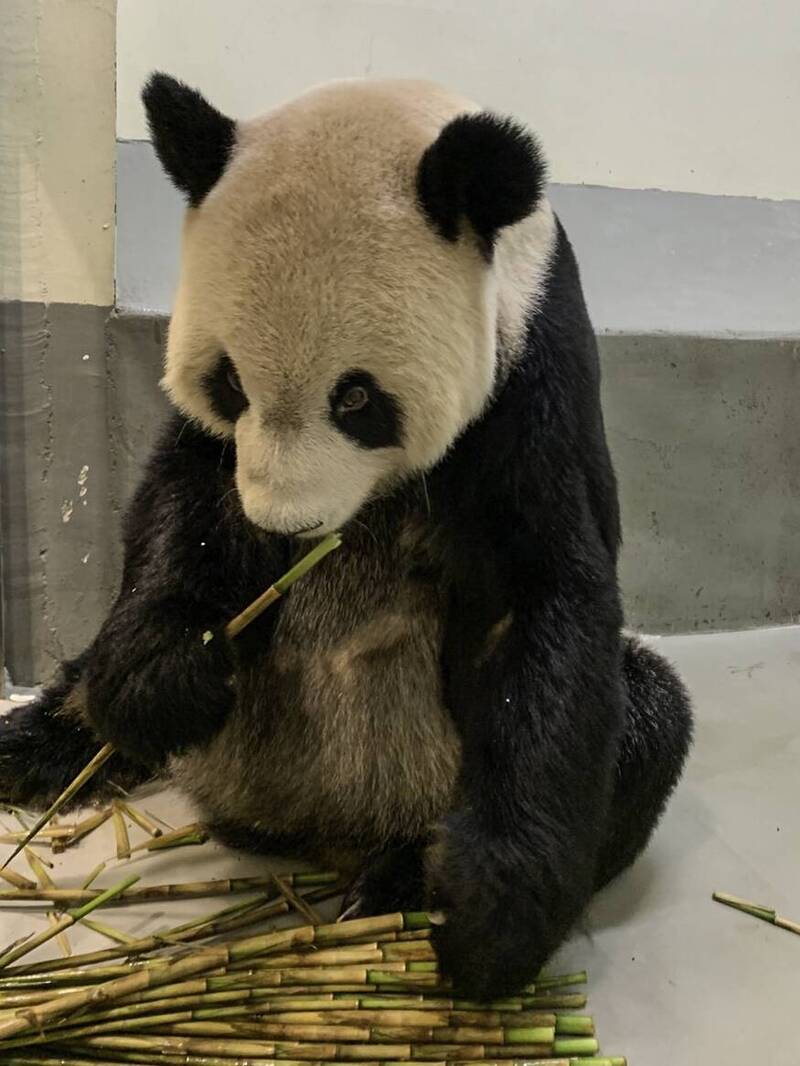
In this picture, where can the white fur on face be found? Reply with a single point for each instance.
(311, 259)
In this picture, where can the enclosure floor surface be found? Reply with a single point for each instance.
(674, 979)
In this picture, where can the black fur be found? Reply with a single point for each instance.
(43, 746)
(225, 391)
(192, 562)
(377, 425)
(572, 739)
(192, 139)
(482, 168)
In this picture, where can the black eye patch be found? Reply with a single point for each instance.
(374, 422)
(225, 390)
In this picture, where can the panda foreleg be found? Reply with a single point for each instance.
(655, 742)
(156, 683)
(532, 679)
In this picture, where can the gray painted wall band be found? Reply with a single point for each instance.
(703, 433)
(652, 262)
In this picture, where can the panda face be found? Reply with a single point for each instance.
(323, 320)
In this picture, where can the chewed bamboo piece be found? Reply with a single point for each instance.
(755, 910)
(120, 832)
(232, 629)
(17, 880)
(142, 820)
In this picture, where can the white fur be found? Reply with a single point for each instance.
(310, 258)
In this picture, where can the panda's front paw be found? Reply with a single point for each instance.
(492, 940)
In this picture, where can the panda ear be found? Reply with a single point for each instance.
(483, 168)
(192, 139)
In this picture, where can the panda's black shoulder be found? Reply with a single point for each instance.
(541, 442)
(187, 470)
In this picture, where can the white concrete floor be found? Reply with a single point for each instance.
(674, 977)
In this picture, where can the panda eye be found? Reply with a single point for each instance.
(355, 399)
(365, 412)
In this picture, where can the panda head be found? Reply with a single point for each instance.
(357, 267)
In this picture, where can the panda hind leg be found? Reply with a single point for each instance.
(652, 754)
(45, 744)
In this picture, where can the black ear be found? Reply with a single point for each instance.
(486, 169)
(192, 139)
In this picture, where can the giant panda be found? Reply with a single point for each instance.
(379, 329)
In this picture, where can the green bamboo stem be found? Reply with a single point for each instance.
(766, 914)
(152, 974)
(68, 919)
(91, 768)
(274, 592)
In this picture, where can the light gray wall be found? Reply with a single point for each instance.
(651, 261)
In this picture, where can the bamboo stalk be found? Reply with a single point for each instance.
(52, 969)
(766, 914)
(64, 922)
(274, 592)
(154, 973)
(179, 890)
(102, 756)
(88, 825)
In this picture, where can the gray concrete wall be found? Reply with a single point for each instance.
(651, 261)
(703, 433)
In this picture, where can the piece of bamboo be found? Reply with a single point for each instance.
(91, 768)
(756, 910)
(64, 922)
(120, 832)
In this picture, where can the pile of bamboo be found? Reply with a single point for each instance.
(366, 991)
(357, 991)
